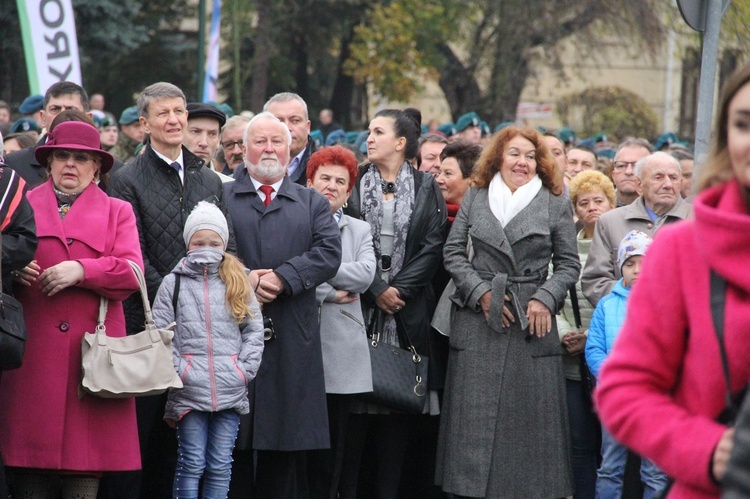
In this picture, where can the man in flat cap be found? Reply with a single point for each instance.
(203, 133)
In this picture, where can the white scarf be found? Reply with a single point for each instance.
(505, 204)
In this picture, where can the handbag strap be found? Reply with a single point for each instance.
(103, 303)
(376, 321)
(404, 335)
(175, 294)
(144, 293)
(718, 309)
(576, 308)
(101, 329)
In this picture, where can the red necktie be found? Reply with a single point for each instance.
(267, 190)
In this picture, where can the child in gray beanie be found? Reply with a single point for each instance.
(206, 216)
(218, 345)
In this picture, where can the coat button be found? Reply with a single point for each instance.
(64, 326)
(650, 226)
(69, 241)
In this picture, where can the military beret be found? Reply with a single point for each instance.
(31, 104)
(467, 120)
(129, 115)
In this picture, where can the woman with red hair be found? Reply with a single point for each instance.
(504, 427)
(346, 358)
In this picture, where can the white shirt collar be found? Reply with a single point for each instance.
(258, 183)
(179, 160)
(295, 162)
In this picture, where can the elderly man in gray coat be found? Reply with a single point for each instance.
(289, 239)
(659, 181)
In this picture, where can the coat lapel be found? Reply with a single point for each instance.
(87, 214)
(486, 227)
(244, 185)
(91, 209)
(44, 201)
(531, 220)
(285, 191)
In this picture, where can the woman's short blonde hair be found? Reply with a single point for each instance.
(589, 181)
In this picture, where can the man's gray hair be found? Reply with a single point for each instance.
(157, 91)
(657, 157)
(682, 154)
(633, 142)
(286, 97)
(265, 115)
(235, 121)
(432, 137)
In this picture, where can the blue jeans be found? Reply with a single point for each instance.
(205, 441)
(610, 474)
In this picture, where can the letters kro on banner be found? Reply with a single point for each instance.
(50, 43)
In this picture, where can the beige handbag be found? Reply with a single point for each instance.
(131, 366)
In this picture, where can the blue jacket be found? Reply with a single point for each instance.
(605, 326)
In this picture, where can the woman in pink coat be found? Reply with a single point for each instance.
(662, 390)
(50, 437)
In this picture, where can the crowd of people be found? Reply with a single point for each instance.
(284, 255)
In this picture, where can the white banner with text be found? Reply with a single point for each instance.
(49, 42)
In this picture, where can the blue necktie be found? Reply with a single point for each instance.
(176, 166)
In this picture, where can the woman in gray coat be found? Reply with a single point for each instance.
(504, 427)
(332, 171)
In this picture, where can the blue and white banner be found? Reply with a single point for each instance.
(212, 56)
(49, 42)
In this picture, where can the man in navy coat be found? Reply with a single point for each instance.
(285, 233)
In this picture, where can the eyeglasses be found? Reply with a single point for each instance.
(228, 146)
(621, 166)
(80, 158)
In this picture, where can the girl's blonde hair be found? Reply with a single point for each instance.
(239, 294)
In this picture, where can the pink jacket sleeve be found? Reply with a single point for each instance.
(110, 275)
(641, 396)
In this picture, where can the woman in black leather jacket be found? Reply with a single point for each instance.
(407, 215)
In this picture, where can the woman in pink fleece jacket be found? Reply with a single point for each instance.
(662, 388)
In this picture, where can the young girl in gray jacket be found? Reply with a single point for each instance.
(217, 349)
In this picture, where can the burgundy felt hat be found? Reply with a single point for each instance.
(75, 136)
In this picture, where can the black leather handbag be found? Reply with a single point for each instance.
(399, 375)
(12, 330)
